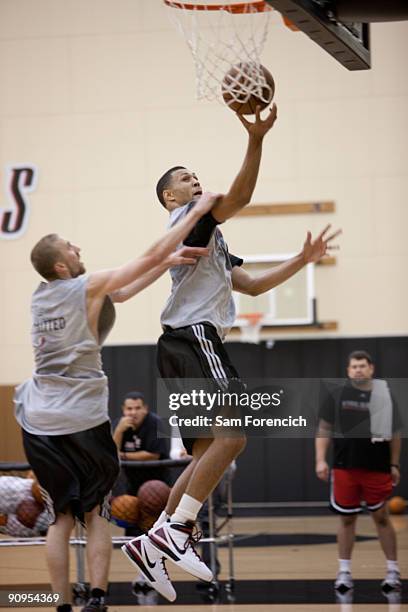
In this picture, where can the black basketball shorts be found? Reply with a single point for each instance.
(76, 472)
(195, 351)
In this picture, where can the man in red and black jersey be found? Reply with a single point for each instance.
(365, 467)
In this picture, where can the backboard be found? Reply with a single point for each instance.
(291, 303)
(348, 42)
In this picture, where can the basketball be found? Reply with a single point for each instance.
(397, 505)
(36, 492)
(125, 508)
(153, 496)
(35, 487)
(3, 520)
(239, 80)
(28, 511)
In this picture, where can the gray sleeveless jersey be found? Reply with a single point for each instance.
(201, 292)
(68, 391)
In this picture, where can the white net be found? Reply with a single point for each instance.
(22, 513)
(222, 37)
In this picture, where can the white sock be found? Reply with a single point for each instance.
(345, 565)
(392, 566)
(162, 519)
(187, 509)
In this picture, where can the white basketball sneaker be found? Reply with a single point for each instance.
(344, 582)
(175, 541)
(150, 562)
(391, 582)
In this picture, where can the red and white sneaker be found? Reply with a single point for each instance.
(150, 562)
(175, 541)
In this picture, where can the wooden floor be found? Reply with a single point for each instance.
(26, 565)
(247, 608)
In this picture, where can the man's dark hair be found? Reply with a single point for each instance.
(164, 182)
(45, 255)
(134, 395)
(360, 355)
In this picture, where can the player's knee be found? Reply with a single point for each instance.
(92, 514)
(381, 518)
(235, 445)
(349, 520)
(64, 521)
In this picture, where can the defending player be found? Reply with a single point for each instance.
(63, 408)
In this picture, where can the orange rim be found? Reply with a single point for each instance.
(252, 317)
(258, 6)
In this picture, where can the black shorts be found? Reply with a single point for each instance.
(76, 472)
(195, 351)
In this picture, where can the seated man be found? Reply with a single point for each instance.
(136, 438)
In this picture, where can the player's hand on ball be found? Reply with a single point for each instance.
(313, 250)
(260, 126)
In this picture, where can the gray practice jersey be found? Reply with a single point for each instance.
(202, 292)
(68, 391)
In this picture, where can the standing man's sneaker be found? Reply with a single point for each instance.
(393, 597)
(150, 562)
(145, 594)
(175, 541)
(95, 604)
(344, 598)
(344, 582)
(391, 582)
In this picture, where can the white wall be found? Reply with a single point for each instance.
(100, 95)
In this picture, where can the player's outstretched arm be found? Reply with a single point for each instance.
(107, 282)
(184, 256)
(243, 186)
(312, 251)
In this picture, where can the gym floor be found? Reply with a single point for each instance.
(281, 563)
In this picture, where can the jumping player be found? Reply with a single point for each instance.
(196, 319)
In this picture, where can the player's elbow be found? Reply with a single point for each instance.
(253, 290)
(117, 441)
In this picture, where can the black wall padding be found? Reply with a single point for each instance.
(270, 470)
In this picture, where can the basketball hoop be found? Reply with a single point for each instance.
(251, 326)
(223, 36)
